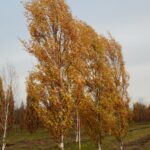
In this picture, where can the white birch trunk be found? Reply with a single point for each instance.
(78, 132)
(77, 135)
(5, 127)
(77, 138)
(61, 145)
(77, 127)
(99, 146)
(121, 145)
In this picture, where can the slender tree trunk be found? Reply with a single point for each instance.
(77, 137)
(61, 145)
(78, 131)
(77, 128)
(121, 145)
(79, 134)
(99, 146)
(5, 127)
(62, 86)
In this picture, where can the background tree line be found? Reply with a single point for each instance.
(141, 112)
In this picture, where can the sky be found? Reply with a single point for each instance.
(127, 20)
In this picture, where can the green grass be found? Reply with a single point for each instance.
(41, 140)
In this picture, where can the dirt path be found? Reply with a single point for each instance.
(140, 144)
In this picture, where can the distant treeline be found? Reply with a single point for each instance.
(26, 118)
(141, 112)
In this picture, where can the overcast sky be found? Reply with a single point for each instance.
(127, 20)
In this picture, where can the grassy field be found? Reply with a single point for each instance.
(138, 138)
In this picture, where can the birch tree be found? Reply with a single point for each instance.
(2, 100)
(97, 103)
(52, 36)
(76, 78)
(7, 101)
(121, 98)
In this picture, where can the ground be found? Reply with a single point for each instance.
(138, 138)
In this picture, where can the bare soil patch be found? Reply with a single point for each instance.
(140, 144)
